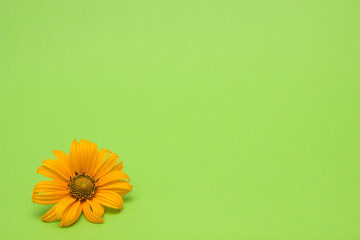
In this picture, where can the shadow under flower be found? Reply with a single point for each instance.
(128, 198)
(41, 210)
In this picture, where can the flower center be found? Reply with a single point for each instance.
(82, 187)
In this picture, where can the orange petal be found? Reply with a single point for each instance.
(106, 166)
(49, 197)
(50, 186)
(83, 155)
(88, 155)
(90, 215)
(62, 205)
(118, 167)
(112, 177)
(74, 156)
(49, 173)
(108, 198)
(58, 166)
(55, 170)
(122, 187)
(101, 155)
(50, 215)
(97, 208)
(61, 156)
(71, 214)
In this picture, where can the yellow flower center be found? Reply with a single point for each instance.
(82, 187)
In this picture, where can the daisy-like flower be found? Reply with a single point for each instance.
(85, 181)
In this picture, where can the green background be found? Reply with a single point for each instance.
(234, 119)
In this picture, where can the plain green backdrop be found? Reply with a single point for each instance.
(234, 119)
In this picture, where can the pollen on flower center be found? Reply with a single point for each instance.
(82, 187)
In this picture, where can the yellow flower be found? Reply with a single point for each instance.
(85, 181)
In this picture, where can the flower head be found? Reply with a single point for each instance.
(85, 181)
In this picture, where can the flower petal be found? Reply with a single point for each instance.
(58, 166)
(101, 155)
(122, 187)
(71, 214)
(112, 177)
(83, 155)
(74, 156)
(108, 198)
(118, 167)
(61, 156)
(49, 197)
(50, 215)
(97, 208)
(106, 165)
(90, 215)
(50, 186)
(55, 170)
(62, 205)
(88, 155)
